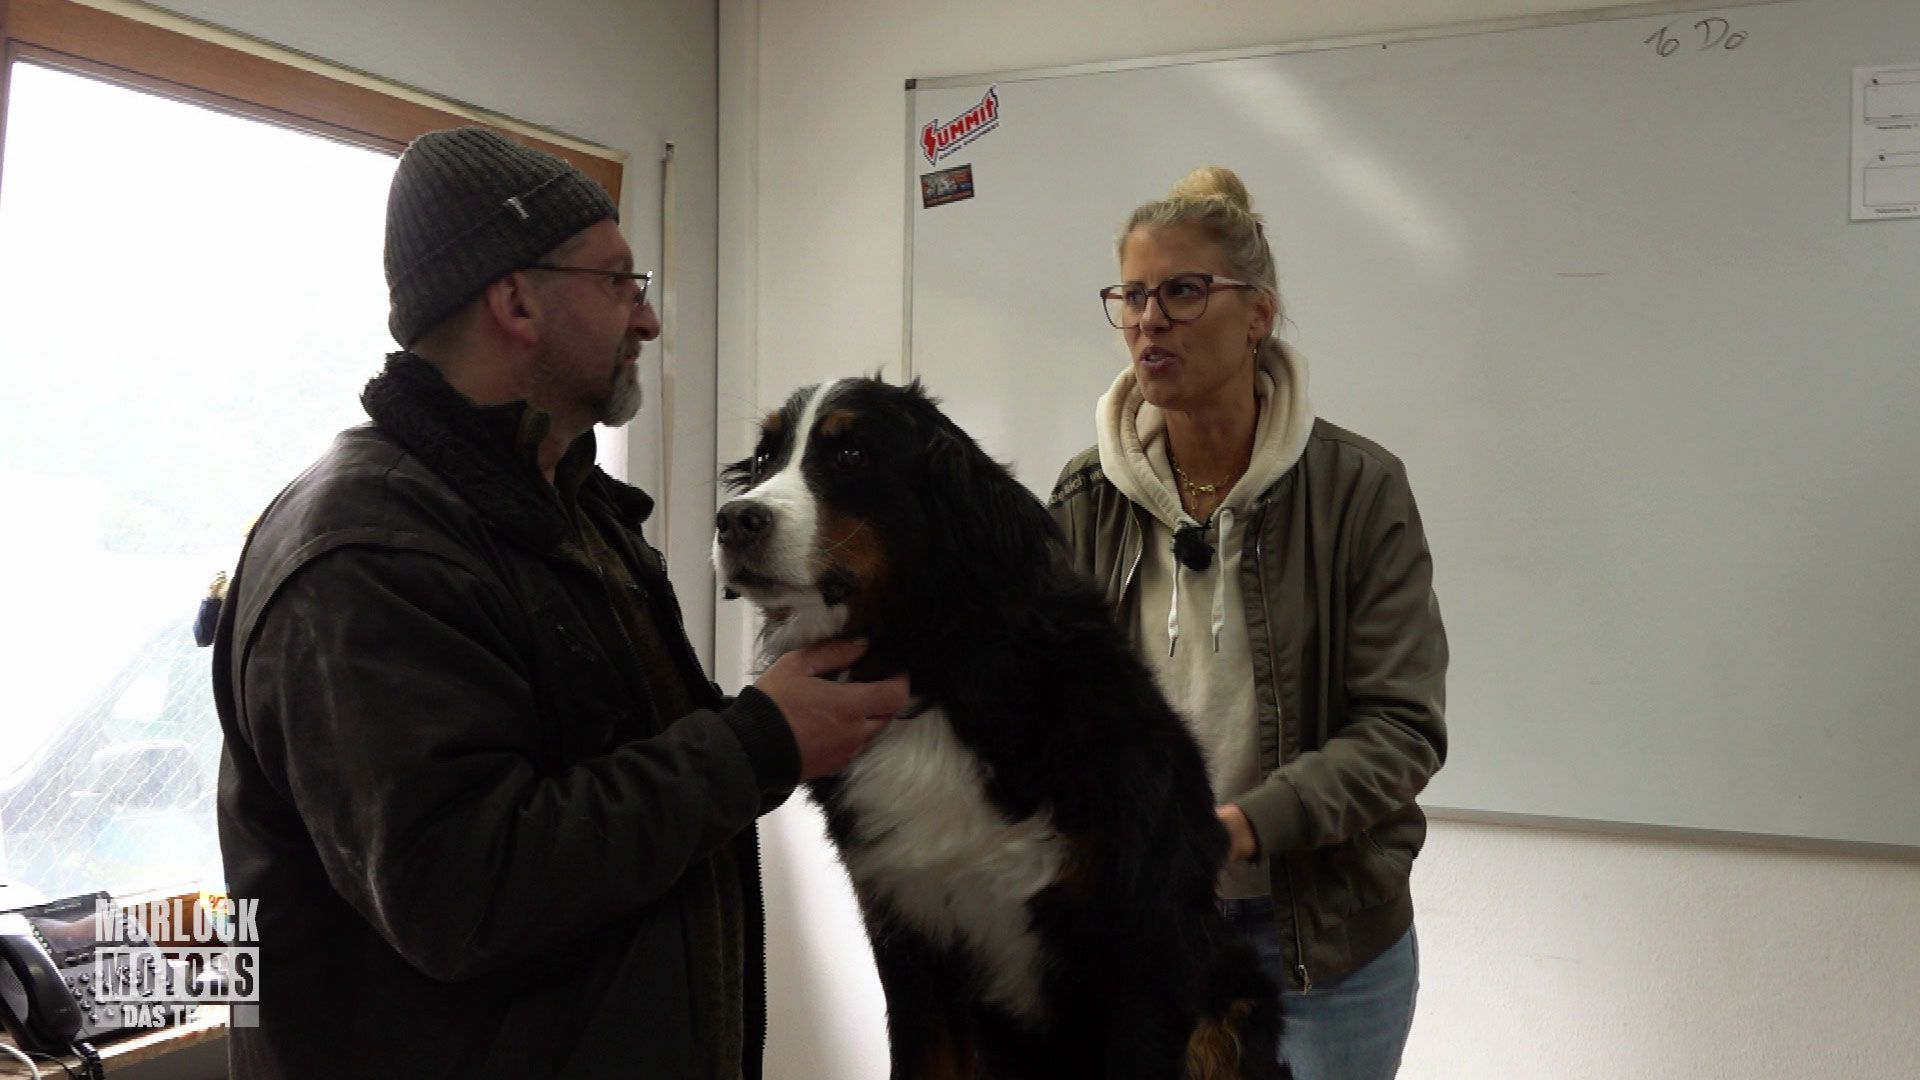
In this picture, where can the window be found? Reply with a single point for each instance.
(190, 299)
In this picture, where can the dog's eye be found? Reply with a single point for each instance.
(758, 469)
(850, 458)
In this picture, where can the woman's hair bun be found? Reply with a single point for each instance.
(1214, 181)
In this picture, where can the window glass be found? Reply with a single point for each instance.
(190, 302)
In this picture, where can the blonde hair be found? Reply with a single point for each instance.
(1213, 200)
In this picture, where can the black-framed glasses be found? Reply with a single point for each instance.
(1183, 298)
(641, 280)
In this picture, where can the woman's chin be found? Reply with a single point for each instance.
(1158, 385)
(1161, 393)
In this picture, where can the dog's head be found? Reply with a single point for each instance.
(865, 510)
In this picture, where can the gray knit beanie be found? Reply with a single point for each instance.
(468, 207)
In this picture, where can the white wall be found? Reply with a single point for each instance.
(1546, 954)
(629, 75)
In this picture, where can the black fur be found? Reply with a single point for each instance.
(981, 608)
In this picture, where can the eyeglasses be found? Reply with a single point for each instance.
(1183, 298)
(613, 277)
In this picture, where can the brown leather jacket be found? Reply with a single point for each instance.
(1351, 660)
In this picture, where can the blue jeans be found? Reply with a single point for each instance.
(1352, 1028)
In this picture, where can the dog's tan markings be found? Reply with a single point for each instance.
(1076, 881)
(1213, 1050)
(837, 422)
(854, 546)
(774, 421)
(954, 1055)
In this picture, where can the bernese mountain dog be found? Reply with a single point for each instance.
(1035, 848)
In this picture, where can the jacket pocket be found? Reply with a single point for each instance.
(1399, 862)
(1400, 836)
(1348, 878)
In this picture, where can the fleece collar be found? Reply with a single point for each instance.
(1133, 451)
(486, 453)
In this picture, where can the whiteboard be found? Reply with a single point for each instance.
(1658, 396)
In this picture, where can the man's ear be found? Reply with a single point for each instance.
(512, 308)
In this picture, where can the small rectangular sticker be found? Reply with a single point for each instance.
(946, 186)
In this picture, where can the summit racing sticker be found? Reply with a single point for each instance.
(939, 138)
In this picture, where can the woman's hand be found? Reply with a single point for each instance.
(1242, 844)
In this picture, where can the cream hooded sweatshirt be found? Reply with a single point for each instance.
(1191, 624)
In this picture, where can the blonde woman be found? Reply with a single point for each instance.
(1273, 570)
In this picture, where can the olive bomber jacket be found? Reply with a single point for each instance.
(1350, 657)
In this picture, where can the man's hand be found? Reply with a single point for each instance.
(1242, 844)
(831, 721)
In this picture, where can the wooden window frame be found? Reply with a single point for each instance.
(123, 50)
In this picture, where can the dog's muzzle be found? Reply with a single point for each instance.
(743, 526)
(740, 531)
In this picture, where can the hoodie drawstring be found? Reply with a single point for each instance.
(1224, 516)
(1173, 611)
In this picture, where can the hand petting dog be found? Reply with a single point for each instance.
(831, 721)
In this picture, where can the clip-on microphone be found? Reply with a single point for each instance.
(1191, 548)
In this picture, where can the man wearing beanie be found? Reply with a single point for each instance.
(497, 821)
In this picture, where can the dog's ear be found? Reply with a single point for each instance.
(738, 475)
(1003, 531)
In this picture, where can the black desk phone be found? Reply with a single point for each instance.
(50, 976)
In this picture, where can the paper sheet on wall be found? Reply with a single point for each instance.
(1886, 142)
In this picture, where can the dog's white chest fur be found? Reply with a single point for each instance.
(929, 843)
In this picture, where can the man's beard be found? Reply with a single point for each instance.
(625, 396)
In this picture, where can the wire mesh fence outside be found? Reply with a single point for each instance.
(122, 796)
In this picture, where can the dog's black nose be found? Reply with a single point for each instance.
(741, 524)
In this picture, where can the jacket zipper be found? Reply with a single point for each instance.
(1280, 734)
(680, 650)
(755, 1040)
(1139, 552)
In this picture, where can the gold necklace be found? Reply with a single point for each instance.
(1193, 485)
